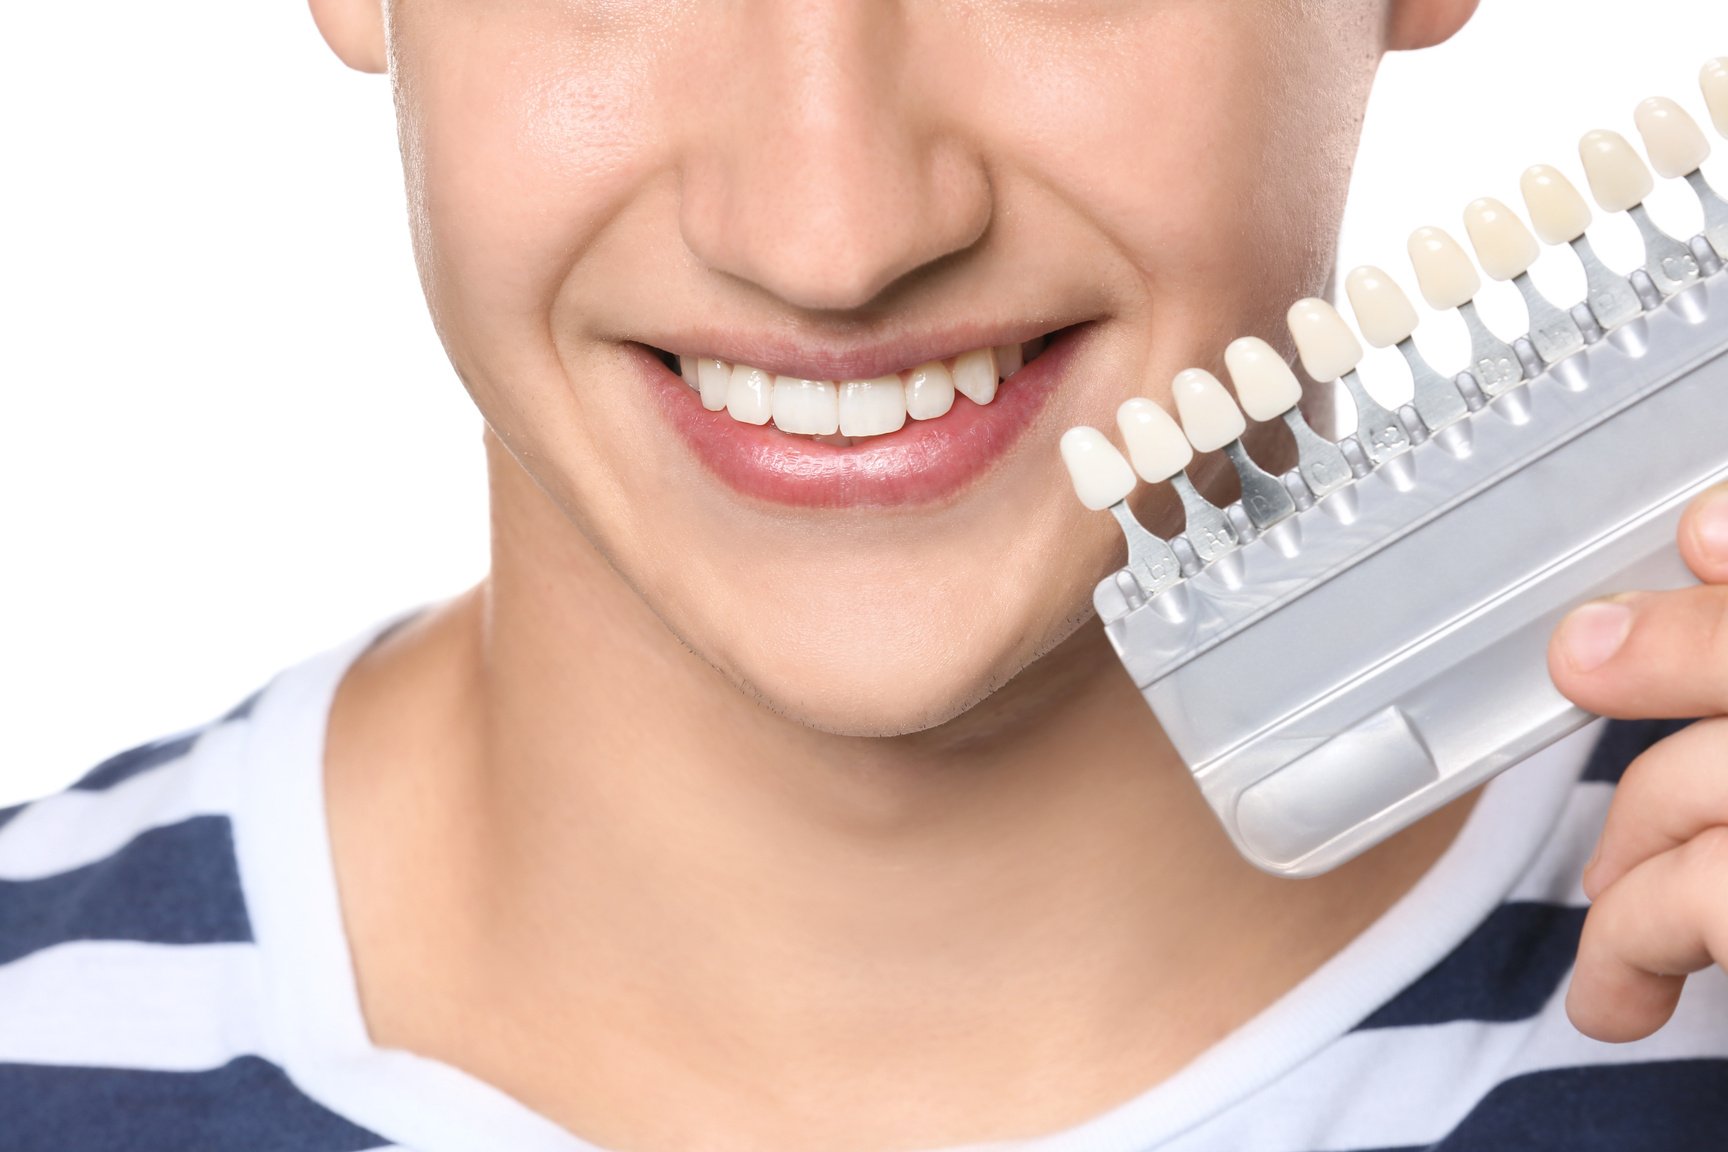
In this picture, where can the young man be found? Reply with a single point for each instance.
(772, 792)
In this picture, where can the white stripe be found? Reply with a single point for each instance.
(1555, 876)
(126, 1004)
(1398, 1087)
(77, 827)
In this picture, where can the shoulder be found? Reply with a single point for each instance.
(129, 983)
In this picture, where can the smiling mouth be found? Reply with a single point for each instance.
(920, 435)
(847, 412)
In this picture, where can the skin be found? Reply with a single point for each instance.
(706, 822)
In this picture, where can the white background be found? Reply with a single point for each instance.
(228, 436)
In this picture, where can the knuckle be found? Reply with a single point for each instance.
(1707, 852)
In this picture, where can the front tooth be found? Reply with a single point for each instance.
(872, 407)
(1714, 81)
(687, 369)
(1556, 209)
(1008, 360)
(1672, 139)
(714, 380)
(1443, 272)
(1327, 346)
(1209, 417)
(1618, 178)
(975, 375)
(750, 395)
(929, 391)
(806, 407)
(1264, 383)
(1382, 310)
(1503, 245)
(1156, 444)
(1101, 476)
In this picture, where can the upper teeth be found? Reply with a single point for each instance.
(853, 407)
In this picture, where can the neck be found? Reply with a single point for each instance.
(633, 885)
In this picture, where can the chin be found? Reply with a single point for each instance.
(892, 665)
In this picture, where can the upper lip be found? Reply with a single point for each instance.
(847, 358)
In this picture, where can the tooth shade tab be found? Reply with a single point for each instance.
(1618, 178)
(1672, 139)
(806, 407)
(1383, 312)
(1210, 419)
(1443, 273)
(750, 395)
(1557, 210)
(872, 407)
(1504, 247)
(1156, 444)
(929, 391)
(714, 382)
(1264, 383)
(1324, 342)
(1101, 476)
(1713, 80)
(975, 375)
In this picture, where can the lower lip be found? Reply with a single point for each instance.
(925, 461)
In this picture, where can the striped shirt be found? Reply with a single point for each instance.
(174, 975)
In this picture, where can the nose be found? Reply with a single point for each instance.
(825, 169)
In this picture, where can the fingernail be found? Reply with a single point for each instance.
(1594, 632)
(1710, 525)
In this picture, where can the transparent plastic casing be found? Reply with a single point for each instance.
(1385, 650)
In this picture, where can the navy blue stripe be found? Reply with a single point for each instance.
(7, 813)
(1621, 743)
(1660, 1106)
(1505, 970)
(247, 1105)
(178, 884)
(135, 760)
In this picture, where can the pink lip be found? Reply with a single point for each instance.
(924, 461)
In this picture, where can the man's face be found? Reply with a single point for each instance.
(832, 192)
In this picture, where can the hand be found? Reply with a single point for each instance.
(1658, 883)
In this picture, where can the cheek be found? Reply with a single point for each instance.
(1211, 142)
(521, 145)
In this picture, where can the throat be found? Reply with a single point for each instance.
(652, 942)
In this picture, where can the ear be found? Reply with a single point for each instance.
(354, 29)
(1414, 24)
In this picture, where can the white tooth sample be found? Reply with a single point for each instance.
(1008, 360)
(1672, 139)
(975, 375)
(1557, 211)
(1324, 342)
(750, 395)
(1443, 272)
(806, 407)
(1504, 246)
(1383, 312)
(1714, 82)
(1101, 476)
(714, 380)
(1210, 419)
(1618, 178)
(1155, 441)
(872, 407)
(1264, 383)
(929, 391)
(687, 369)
